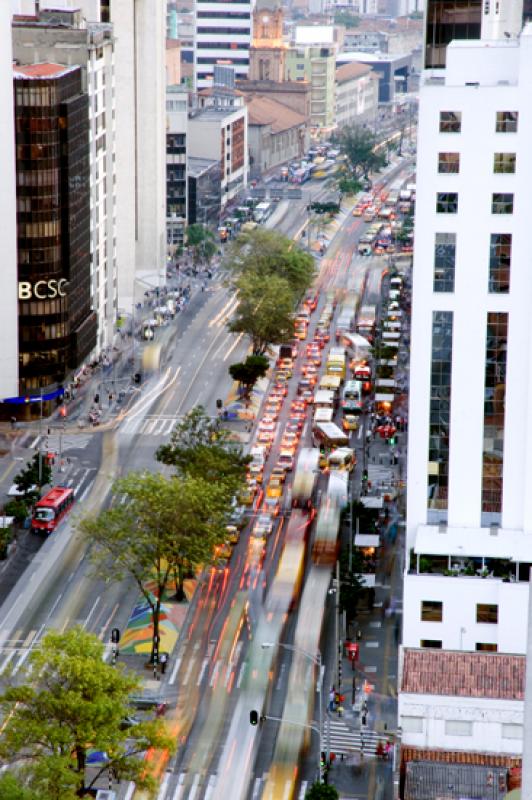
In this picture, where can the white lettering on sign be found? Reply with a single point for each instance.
(42, 290)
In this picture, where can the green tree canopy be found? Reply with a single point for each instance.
(358, 144)
(165, 529)
(32, 478)
(200, 448)
(201, 239)
(76, 703)
(11, 788)
(268, 254)
(249, 371)
(265, 312)
(322, 791)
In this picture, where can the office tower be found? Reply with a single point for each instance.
(469, 506)
(223, 36)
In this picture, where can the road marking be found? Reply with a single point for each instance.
(370, 644)
(175, 670)
(210, 787)
(130, 791)
(34, 443)
(91, 612)
(189, 670)
(235, 344)
(194, 789)
(215, 672)
(180, 788)
(202, 671)
(303, 790)
(6, 661)
(164, 783)
(256, 789)
(241, 674)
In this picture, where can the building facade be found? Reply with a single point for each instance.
(315, 62)
(65, 37)
(57, 324)
(176, 165)
(276, 134)
(204, 201)
(469, 509)
(357, 95)
(223, 36)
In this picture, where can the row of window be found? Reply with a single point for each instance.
(432, 611)
(500, 256)
(437, 644)
(505, 121)
(460, 727)
(449, 163)
(501, 203)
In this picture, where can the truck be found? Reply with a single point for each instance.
(307, 470)
(366, 322)
(336, 362)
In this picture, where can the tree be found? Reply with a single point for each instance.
(321, 791)
(267, 254)
(249, 371)
(200, 448)
(265, 312)
(12, 789)
(359, 145)
(76, 704)
(33, 477)
(201, 239)
(167, 527)
(348, 185)
(344, 17)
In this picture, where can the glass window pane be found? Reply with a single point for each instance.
(431, 611)
(444, 262)
(447, 202)
(450, 121)
(488, 613)
(502, 203)
(500, 260)
(494, 404)
(440, 410)
(504, 162)
(448, 163)
(506, 121)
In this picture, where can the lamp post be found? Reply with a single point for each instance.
(316, 660)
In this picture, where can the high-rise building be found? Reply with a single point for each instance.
(223, 36)
(176, 165)
(64, 36)
(469, 508)
(8, 229)
(57, 325)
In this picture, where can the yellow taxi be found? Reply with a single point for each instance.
(247, 493)
(275, 487)
(350, 423)
(233, 534)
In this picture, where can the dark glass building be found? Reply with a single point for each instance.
(57, 326)
(446, 20)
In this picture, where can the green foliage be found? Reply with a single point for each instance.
(200, 448)
(16, 508)
(265, 253)
(265, 311)
(249, 371)
(347, 19)
(12, 789)
(201, 239)
(165, 529)
(358, 145)
(322, 791)
(78, 705)
(349, 186)
(28, 478)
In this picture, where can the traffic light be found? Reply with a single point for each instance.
(97, 399)
(391, 441)
(254, 717)
(219, 403)
(364, 475)
(137, 377)
(115, 636)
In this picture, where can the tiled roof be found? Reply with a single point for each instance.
(349, 72)
(265, 111)
(454, 781)
(43, 70)
(458, 757)
(447, 672)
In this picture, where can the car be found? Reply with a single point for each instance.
(256, 472)
(272, 506)
(263, 526)
(319, 341)
(350, 423)
(293, 427)
(275, 399)
(307, 395)
(275, 487)
(279, 389)
(265, 437)
(285, 363)
(297, 406)
(322, 334)
(272, 410)
(303, 385)
(286, 460)
(314, 357)
(282, 377)
(267, 423)
(233, 534)
(289, 441)
(223, 551)
(278, 472)
(297, 421)
(358, 211)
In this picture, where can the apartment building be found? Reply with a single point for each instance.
(223, 36)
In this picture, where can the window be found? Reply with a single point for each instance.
(444, 262)
(447, 202)
(506, 121)
(500, 258)
(494, 406)
(487, 613)
(458, 727)
(485, 647)
(449, 163)
(504, 162)
(502, 203)
(440, 415)
(431, 611)
(412, 724)
(434, 644)
(511, 730)
(450, 121)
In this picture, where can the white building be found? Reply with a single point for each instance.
(223, 35)
(176, 165)
(8, 215)
(469, 505)
(357, 95)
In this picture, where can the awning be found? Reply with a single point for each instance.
(367, 540)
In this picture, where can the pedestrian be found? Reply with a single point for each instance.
(332, 695)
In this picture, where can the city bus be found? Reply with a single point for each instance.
(352, 398)
(50, 509)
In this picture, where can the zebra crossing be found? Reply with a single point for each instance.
(157, 425)
(343, 740)
(61, 442)
(193, 786)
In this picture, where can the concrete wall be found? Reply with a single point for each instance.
(269, 149)
(8, 219)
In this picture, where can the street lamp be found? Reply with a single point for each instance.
(316, 660)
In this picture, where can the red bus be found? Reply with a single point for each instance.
(51, 509)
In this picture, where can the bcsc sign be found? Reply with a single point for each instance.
(42, 290)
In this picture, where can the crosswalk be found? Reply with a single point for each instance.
(198, 786)
(157, 425)
(61, 443)
(343, 740)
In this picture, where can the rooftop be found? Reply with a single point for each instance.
(265, 111)
(461, 674)
(43, 70)
(454, 781)
(349, 72)
(197, 166)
